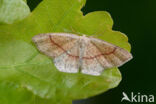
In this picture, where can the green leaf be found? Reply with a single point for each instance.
(22, 95)
(35, 74)
(13, 10)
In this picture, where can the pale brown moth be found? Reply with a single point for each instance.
(72, 53)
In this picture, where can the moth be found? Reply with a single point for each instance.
(72, 53)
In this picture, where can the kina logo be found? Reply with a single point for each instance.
(137, 97)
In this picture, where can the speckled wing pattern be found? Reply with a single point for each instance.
(100, 55)
(72, 53)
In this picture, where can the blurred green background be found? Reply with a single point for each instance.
(137, 19)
